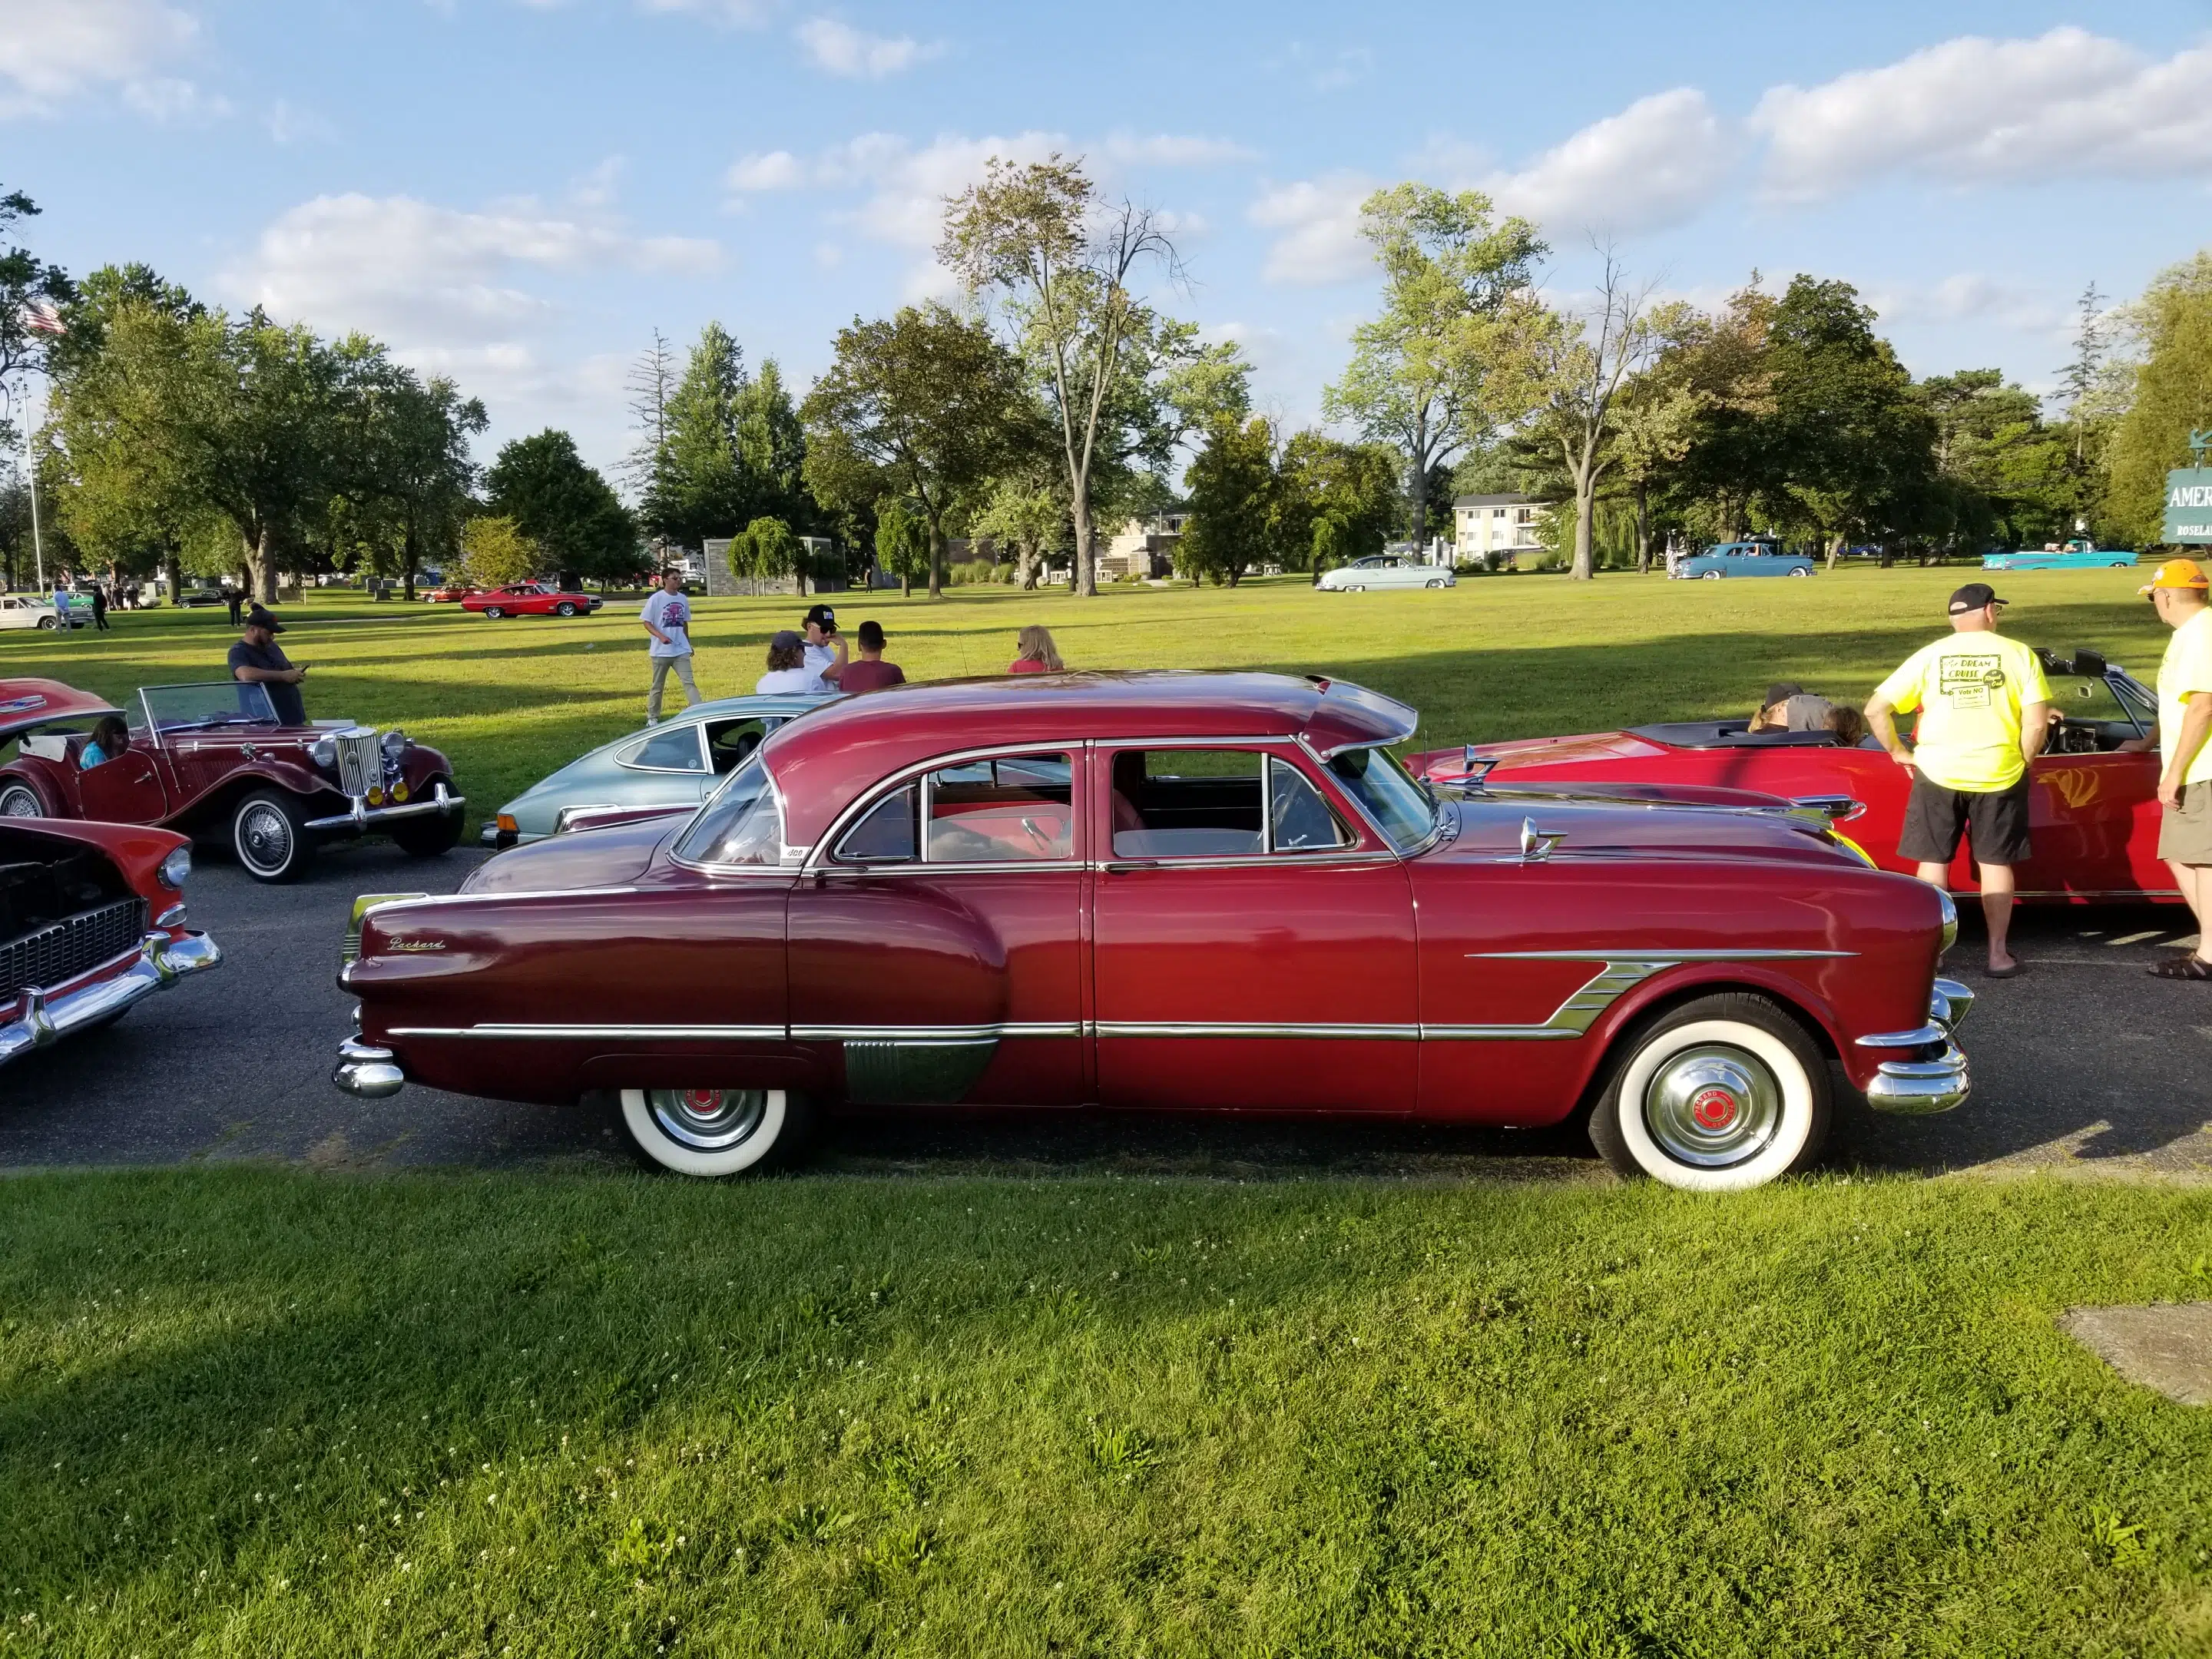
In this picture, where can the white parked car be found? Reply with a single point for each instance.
(33, 610)
(1386, 570)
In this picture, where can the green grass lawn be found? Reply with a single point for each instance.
(254, 1413)
(250, 1411)
(1493, 658)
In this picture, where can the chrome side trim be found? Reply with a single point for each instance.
(1664, 958)
(158, 962)
(1124, 1028)
(598, 1033)
(936, 1033)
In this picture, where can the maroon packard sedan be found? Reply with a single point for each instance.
(1190, 891)
(215, 759)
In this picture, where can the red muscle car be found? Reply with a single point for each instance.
(2094, 809)
(1207, 891)
(213, 759)
(530, 600)
(92, 920)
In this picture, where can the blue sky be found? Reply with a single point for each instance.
(518, 192)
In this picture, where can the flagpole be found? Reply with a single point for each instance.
(38, 544)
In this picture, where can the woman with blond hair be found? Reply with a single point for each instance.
(1035, 653)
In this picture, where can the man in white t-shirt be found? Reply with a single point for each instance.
(667, 617)
(826, 650)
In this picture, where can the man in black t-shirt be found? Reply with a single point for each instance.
(257, 660)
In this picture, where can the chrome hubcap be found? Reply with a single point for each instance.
(708, 1120)
(18, 803)
(265, 838)
(1712, 1106)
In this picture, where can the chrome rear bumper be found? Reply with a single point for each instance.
(1922, 1087)
(362, 816)
(161, 961)
(366, 1072)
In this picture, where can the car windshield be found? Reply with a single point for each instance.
(742, 823)
(1392, 798)
(225, 702)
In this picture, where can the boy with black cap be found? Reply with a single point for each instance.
(1984, 715)
(825, 647)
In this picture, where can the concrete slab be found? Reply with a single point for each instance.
(2167, 1346)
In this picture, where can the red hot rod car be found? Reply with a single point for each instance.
(92, 920)
(2094, 809)
(1184, 890)
(530, 600)
(213, 759)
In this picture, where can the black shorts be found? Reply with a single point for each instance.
(1995, 821)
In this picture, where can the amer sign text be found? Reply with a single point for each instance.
(2188, 506)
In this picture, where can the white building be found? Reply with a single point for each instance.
(1496, 530)
(1147, 545)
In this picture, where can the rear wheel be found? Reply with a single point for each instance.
(269, 835)
(494, 611)
(47, 624)
(716, 1133)
(20, 799)
(1718, 1095)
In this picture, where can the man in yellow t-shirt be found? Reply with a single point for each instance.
(2178, 588)
(1984, 714)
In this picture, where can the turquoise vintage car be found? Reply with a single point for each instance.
(673, 766)
(2078, 554)
(1753, 558)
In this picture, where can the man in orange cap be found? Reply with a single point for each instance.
(2179, 588)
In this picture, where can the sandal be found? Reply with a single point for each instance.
(2190, 966)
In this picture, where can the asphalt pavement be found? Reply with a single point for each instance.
(2083, 1066)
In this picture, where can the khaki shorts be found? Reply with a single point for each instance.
(2185, 834)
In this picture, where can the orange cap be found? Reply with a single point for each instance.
(2176, 573)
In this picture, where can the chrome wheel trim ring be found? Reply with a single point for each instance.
(1713, 1106)
(20, 801)
(708, 1120)
(265, 838)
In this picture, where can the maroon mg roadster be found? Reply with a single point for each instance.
(1169, 891)
(214, 759)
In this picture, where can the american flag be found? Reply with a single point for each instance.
(40, 317)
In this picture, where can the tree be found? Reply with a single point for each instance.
(651, 383)
(2171, 396)
(1731, 460)
(407, 476)
(1417, 379)
(922, 405)
(771, 446)
(564, 506)
(1027, 511)
(1333, 501)
(31, 291)
(1655, 420)
(1566, 372)
(766, 549)
(2002, 470)
(494, 553)
(1039, 234)
(700, 488)
(1232, 487)
(904, 542)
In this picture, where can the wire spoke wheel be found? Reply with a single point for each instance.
(20, 801)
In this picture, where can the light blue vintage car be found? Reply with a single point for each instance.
(673, 765)
(1753, 558)
(2079, 554)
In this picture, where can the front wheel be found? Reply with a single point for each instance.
(428, 837)
(47, 624)
(1710, 575)
(1437, 582)
(1801, 571)
(1720, 1094)
(716, 1133)
(564, 609)
(269, 834)
(19, 799)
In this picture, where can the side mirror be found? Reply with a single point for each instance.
(2090, 665)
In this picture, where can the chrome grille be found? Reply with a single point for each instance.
(361, 763)
(59, 951)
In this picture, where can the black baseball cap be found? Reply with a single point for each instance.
(1974, 596)
(823, 614)
(1781, 691)
(258, 618)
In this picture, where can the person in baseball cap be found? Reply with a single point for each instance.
(1984, 715)
(826, 650)
(2178, 589)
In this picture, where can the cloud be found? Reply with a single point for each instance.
(777, 169)
(288, 123)
(738, 14)
(51, 50)
(1655, 164)
(841, 49)
(166, 100)
(1170, 150)
(1973, 111)
(1971, 297)
(1326, 70)
(1319, 221)
(906, 186)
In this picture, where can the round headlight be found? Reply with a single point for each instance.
(395, 743)
(324, 751)
(176, 869)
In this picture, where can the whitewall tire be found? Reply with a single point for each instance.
(19, 799)
(715, 1132)
(1720, 1094)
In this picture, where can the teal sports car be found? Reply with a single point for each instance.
(669, 767)
(2078, 554)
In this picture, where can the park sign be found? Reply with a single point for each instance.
(2188, 498)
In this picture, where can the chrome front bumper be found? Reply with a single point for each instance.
(1919, 1088)
(160, 963)
(366, 1072)
(362, 816)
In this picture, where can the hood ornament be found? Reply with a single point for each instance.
(1474, 771)
(1537, 846)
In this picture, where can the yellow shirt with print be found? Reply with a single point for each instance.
(1971, 688)
(2187, 667)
